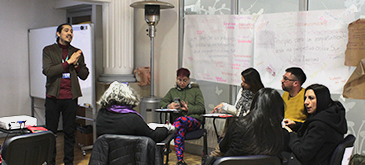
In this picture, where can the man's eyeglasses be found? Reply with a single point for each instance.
(287, 79)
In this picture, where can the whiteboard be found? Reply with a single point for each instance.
(39, 38)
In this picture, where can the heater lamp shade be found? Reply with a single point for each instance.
(142, 4)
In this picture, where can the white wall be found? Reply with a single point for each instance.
(20, 15)
(16, 17)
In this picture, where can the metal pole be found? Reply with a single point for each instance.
(151, 34)
(303, 5)
(152, 66)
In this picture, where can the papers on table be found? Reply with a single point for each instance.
(167, 110)
(218, 115)
(155, 125)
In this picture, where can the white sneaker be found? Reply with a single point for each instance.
(170, 127)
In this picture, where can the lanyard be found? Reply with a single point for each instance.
(64, 60)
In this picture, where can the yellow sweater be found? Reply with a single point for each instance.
(294, 106)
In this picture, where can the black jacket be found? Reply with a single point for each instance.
(53, 69)
(319, 135)
(125, 149)
(108, 122)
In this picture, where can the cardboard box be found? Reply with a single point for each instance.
(84, 138)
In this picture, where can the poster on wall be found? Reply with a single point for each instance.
(313, 40)
(218, 47)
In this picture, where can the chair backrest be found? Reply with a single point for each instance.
(35, 148)
(111, 149)
(249, 160)
(338, 153)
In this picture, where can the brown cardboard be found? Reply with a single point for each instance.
(81, 111)
(355, 50)
(83, 139)
(355, 85)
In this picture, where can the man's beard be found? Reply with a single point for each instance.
(70, 38)
(285, 88)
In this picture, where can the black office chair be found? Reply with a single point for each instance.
(111, 149)
(249, 160)
(165, 147)
(35, 148)
(197, 134)
(337, 154)
(193, 135)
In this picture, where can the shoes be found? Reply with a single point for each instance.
(181, 163)
(170, 127)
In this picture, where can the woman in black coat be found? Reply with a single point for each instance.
(260, 132)
(323, 130)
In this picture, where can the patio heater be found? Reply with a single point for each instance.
(152, 16)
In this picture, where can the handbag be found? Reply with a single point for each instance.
(142, 75)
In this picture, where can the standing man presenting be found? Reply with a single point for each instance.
(62, 65)
(293, 96)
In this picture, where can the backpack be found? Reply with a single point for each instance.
(142, 75)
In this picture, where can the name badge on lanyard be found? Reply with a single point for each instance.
(66, 75)
(65, 60)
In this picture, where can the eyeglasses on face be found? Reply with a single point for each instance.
(287, 79)
(183, 80)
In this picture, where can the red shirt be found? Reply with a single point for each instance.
(65, 87)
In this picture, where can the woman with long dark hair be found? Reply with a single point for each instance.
(251, 83)
(323, 130)
(260, 131)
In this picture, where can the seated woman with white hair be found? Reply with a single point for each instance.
(117, 116)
